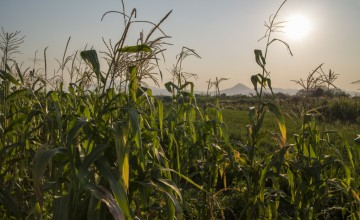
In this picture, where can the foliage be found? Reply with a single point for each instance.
(345, 110)
(106, 148)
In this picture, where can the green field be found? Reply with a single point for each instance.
(236, 121)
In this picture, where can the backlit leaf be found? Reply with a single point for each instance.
(136, 49)
(170, 86)
(255, 80)
(260, 59)
(280, 119)
(91, 57)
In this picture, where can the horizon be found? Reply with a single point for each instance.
(288, 91)
(224, 35)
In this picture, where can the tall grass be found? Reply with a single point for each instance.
(106, 148)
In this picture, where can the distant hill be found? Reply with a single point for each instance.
(353, 93)
(238, 89)
(285, 91)
(241, 89)
(159, 91)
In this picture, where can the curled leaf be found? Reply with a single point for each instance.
(106, 197)
(41, 159)
(91, 57)
(260, 59)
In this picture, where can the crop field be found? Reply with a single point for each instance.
(236, 121)
(103, 147)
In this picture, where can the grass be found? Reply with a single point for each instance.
(237, 120)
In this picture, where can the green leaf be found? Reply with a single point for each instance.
(94, 155)
(106, 197)
(19, 73)
(9, 203)
(167, 186)
(172, 185)
(185, 178)
(136, 49)
(350, 155)
(61, 207)
(91, 58)
(120, 134)
(309, 151)
(19, 93)
(55, 97)
(263, 177)
(160, 111)
(191, 87)
(347, 174)
(41, 159)
(80, 122)
(135, 124)
(93, 212)
(170, 86)
(133, 83)
(117, 188)
(225, 131)
(135, 131)
(7, 76)
(280, 119)
(178, 210)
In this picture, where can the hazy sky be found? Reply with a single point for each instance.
(223, 33)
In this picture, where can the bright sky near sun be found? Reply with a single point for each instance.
(223, 33)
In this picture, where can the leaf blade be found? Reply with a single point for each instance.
(136, 49)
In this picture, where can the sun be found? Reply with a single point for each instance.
(297, 27)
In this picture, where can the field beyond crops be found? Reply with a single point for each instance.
(237, 120)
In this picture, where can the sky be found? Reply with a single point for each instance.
(223, 33)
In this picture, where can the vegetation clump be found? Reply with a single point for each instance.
(104, 147)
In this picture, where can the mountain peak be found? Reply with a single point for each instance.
(238, 89)
(241, 89)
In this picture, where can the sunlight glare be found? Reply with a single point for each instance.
(297, 27)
